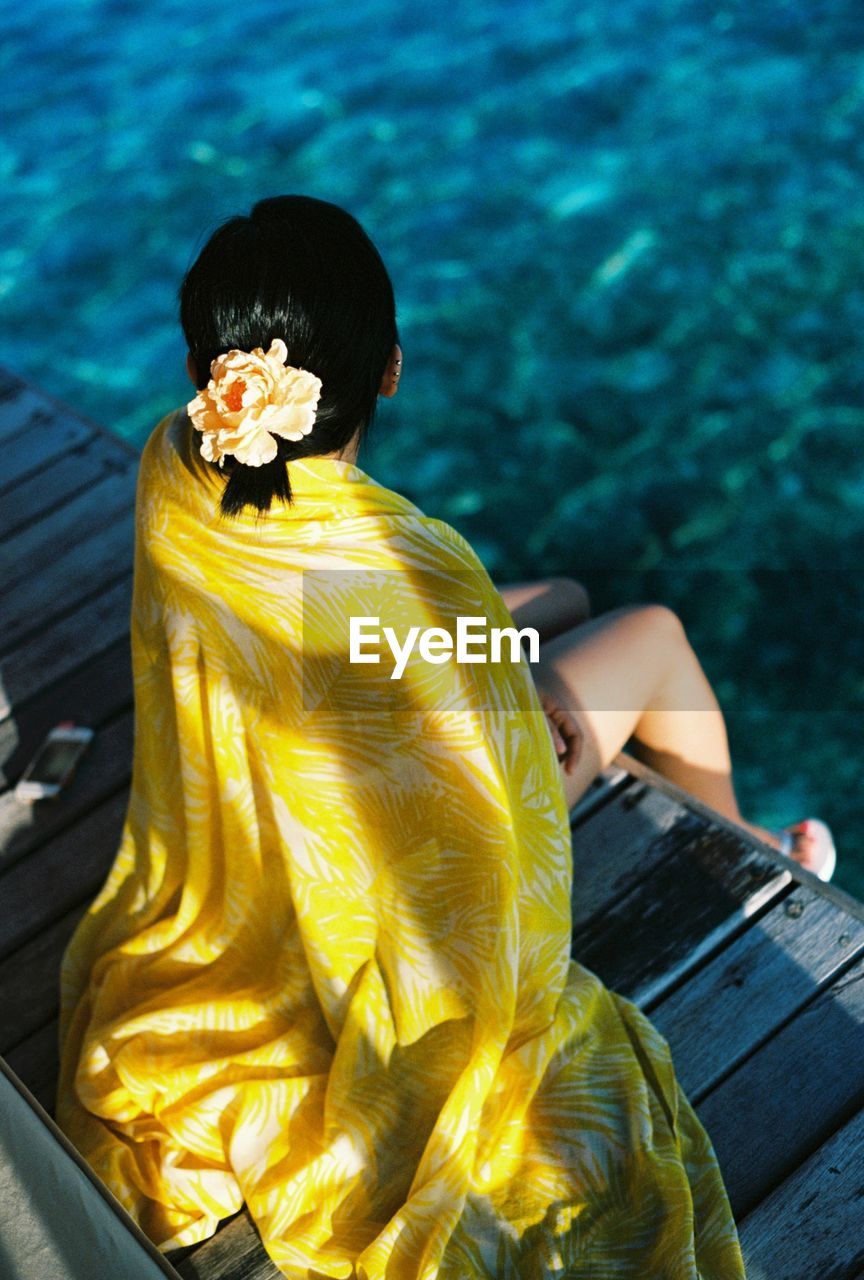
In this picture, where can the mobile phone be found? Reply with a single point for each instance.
(54, 762)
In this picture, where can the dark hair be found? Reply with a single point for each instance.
(305, 271)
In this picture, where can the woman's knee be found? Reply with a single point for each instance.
(663, 622)
(664, 642)
(652, 635)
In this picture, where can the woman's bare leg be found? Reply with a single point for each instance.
(551, 606)
(632, 673)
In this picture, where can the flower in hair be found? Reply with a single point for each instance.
(251, 398)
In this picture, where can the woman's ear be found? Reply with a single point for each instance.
(390, 381)
(191, 369)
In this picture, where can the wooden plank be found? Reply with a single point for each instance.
(93, 694)
(619, 845)
(70, 576)
(30, 978)
(73, 640)
(70, 474)
(104, 770)
(38, 547)
(74, 864)
(17, 384)
(8, 383)
(607, 784)
(727, 1009)
(36, 1061)
(840, 897)
(788, 1097)
(702, 892)
(18, 405)
(235, 1252)
(49, 432)
(813, 1223)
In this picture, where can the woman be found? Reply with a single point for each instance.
(633, 672)
(329, 973)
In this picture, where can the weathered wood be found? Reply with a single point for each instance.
(20, 397)
(36, 1061)
(72, 575)
(74, 864)
(9, 383)
(56, 484)
(49, 432)
(18, 404)
(92, 695)
(755, 985)
(789, 1096)
(29, 980)
(38, 547)
(71, 641)
(607, 784)
(700, 893)
(813, 1223)
(235, 1252)
(103, 771)
(619, 845)
(771, 855)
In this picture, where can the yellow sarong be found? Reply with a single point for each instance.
(329, 972)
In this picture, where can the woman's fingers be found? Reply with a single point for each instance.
(557, 741)
(566, 734)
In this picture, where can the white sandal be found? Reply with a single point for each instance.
(812, 827)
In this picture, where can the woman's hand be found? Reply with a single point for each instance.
(566, 734)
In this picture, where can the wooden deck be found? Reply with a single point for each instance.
(749, 966)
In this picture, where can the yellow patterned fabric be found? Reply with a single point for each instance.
(329, 972)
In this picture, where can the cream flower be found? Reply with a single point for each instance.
(250, 399)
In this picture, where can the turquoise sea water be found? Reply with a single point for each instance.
(628, 247)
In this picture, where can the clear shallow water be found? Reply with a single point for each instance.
(627, 247)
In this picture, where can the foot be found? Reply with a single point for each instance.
(809, 843)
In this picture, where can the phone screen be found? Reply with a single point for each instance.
(55, 760)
